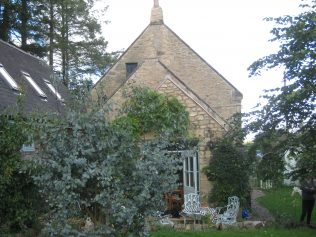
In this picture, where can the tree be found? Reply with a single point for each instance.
(20, 201)
(291, 109)
(90, 168)
(20, 25)
(66, 31)
(76, 48)
(271, 164)
(7, 18)
(230, 167)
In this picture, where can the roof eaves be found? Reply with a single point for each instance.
(220, 120)
(126, 80)
(203, 59)
(22, 51)
(108, 71)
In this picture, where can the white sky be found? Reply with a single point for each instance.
(228, 34)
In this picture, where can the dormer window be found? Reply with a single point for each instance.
(34, 85)
(8, 78)
(53, 89)
(130, 68)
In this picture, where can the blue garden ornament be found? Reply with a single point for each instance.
(245, 214)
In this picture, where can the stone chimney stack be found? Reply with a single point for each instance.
(156, 14)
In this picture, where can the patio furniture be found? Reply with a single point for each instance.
(192, 208)
(174, 200)
(163, 219)
(227, 214)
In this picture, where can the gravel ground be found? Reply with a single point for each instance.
(259, 212)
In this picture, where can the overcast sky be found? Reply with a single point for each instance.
(228, 34)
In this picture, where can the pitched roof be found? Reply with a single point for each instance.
(159, 42)
(169, 75)
(22, 66)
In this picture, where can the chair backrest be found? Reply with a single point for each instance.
(232, 207)
(192, 203)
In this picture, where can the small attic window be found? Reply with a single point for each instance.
(130, 68)
(53, 89)
(8, 78)
(35, 86)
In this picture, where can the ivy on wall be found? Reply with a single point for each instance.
(147, 111)
(19, 199)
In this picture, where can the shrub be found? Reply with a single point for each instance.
(148, 111)
(89, 168)
(20, 201)
(230, 167)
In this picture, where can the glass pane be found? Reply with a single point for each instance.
(186, 164)
(53, 89)
(130, 68)
(8, 78)
(191, 164)
(35, 86)
(187, 179)
(198, 181)
(192, 183)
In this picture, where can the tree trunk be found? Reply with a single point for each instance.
(5, 23)
(51, 33)
(63, 43)
(24, 19)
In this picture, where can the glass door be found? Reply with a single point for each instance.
(191, 177)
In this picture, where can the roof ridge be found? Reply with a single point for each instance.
(121, 56)
(209, 65)
(196, 95)
(22, 51)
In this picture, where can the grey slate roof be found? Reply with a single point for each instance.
(16, 61)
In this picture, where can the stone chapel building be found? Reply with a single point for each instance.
(161, 60)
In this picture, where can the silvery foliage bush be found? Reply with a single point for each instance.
(87, 168)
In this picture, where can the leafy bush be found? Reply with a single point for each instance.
(151, 112)
(271, 165)
(89, 168)
(19, 205)
(230, 167)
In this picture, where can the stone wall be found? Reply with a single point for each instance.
(160, 43)
(202, 126)
(161, 54)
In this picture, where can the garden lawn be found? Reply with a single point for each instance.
(265, 232)
(285, 208)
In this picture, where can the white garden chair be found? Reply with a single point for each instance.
(192, 207)
(227, 214)
(163, 219)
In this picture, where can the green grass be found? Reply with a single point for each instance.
(269, 232)
(285, 208)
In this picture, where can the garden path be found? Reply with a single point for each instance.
(259, 212)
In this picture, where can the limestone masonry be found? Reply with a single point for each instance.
(159, 59)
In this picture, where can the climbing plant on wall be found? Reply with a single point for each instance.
(19, 199)
(147, 111)
(230, 167)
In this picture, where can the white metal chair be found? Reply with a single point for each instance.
(163, 219)
(227, 214)
(192, 207)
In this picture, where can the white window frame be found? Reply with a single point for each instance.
(34, 85)
(191, 173)
(8, 78)
(53, 89)
(28, 147)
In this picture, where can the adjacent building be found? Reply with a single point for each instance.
(161, 60)
(28, 85)
(30, 80)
